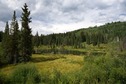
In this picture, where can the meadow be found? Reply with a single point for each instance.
(53, 68)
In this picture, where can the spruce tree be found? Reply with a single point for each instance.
(36, 41)
(1, 36)
(14, 35)
(6, 57)
(26, 36)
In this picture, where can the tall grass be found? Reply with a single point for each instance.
(25, 74)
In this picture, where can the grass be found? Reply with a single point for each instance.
(7, 69)
(25, 74)
(47, 63)
(62, 63)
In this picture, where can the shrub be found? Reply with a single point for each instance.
(102, 70)
(59, 78)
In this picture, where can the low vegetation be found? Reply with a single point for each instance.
(68, 69)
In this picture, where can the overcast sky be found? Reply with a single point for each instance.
(58, 16)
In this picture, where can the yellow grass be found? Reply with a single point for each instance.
(62, 63)
(7, 69)
(65, 64)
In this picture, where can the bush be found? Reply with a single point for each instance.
(102, 70)
(25, 74)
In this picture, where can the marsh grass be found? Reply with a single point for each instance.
(62, 63)
(65, 64)
(47, 57)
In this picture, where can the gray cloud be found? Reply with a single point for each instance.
(5, 12)
(48, 14)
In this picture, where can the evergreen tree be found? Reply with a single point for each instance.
(6, 45)
(88, 38)
(14, 35)
(83, 38)
(36, 42)
(41, 39)
(26, 36)
(1, 36)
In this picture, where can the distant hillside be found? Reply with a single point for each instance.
(115, 28)
(92, 35)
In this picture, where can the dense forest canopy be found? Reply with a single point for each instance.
(92, 35)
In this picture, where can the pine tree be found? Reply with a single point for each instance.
(26, 37)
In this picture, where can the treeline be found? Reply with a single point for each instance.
(114, 31)
(70, 39)
(16, 45)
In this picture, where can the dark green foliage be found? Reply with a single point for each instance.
(1, 55)
(26, 36)
(1, 36)
(59, 78)
(114, 31)
(88, 38)
(83, 36)
(25, 74)
(4, 79)
(17, 44)
(10, 42)
(36, 40)
(123, 43)
(6, 57)
(103, 70)
(14, 39)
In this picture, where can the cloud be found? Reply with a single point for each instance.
(57, 16)
(5, 12)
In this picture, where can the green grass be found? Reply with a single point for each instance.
(62, 63)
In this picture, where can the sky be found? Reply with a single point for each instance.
(59, 16)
